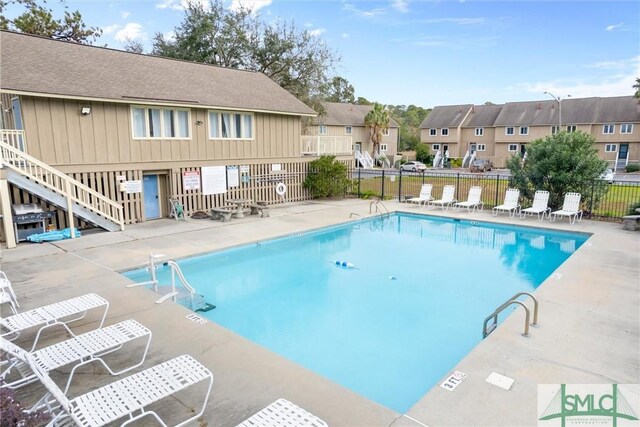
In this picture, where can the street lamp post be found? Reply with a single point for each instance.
(559, 101)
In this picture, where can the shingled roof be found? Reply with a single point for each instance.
(446, 116)
(345, 114)
(46, 67)
(482, 116)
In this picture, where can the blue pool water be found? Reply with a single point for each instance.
(392, 327)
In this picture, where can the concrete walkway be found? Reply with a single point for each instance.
(589, 321)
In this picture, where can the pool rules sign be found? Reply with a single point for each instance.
(191, 180)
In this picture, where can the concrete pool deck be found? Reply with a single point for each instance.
(589, 321)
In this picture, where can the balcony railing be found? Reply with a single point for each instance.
(319, 145)
(14, 138)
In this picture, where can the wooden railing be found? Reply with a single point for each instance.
(74, 191)
(14, 138)
(316, 145)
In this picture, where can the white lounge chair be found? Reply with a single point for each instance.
(282, 413)
(60, 313)
(540, 206)
(128, 397)
(473, 200)
(81, 350)
(424, 197)
(448, 194)
(7, 295)
(570, 208)
(511, 204)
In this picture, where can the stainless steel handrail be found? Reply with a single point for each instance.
(486, 330)
(376, 203)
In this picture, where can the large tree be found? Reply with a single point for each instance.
(339, 90)
(560, 163)
(637, 88)
(297, 60)
(377, 120)
(39, 20)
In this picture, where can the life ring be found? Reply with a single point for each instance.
(281, 189)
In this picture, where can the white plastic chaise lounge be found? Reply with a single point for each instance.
(282, 413)
(473, 200)
(570, 208)
(424, 197)
(81, 350)
(448, 194)
(540, 206)
(7, 295)
(510, 204)
(127, 398)
(60, 313)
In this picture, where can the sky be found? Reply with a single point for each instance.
(436, 52)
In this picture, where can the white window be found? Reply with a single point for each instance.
(348, 130)
(509, 130)
(228, 125)
(571, 128)
(479, 131)
(383, 147)
(385, 132)
(435, 147)
(433, 132)
(165, 123)
(481, 147)
(322, 130)
(444, 132)
(524, 130)
(611, 148)
(626, 128)
(554, 130)
(608, 129)
(513, 147)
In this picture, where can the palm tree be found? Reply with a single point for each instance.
(377, 120)
(637, 88)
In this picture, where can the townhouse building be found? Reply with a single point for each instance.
(498, 132)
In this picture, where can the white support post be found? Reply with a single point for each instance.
(67, 189)
(5, 208)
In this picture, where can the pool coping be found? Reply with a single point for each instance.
(248, 377)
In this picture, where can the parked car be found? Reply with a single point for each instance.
(481, 165)
(607, 175)
(414, 166)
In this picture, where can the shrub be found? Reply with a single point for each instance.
(423, 154)
(455, 162)
(14, 413)
(633, 207)
(632, 167)
(326, 178)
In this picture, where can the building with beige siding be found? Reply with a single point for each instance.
(504, 130)
(139, 129)
(342, 125)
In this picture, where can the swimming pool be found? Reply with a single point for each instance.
(394, 325)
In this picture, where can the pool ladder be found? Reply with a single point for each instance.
(376, 203)
(487, 329)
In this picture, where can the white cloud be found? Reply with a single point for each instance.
(180, 4)
(131, 31)
(617, 85)
(318, 31)
(613, 27)
(400, 5)
(125, 14)
(616, 65)
(170, 36)
(253, 5)
(364, 13)
(110, 28)
(346, 35)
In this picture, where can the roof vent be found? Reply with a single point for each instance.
(539, 105)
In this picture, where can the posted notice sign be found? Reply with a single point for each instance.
(214, 180)
(191, 180)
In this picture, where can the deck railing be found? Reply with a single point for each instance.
(316, 145)
(14, 138)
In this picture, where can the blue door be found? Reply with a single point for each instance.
(151, 200)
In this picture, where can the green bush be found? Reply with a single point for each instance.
(423, 154)
(326, 178)
(455, 162)
(632, 167)
(633, 207)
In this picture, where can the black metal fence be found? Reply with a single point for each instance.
(617, 200)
